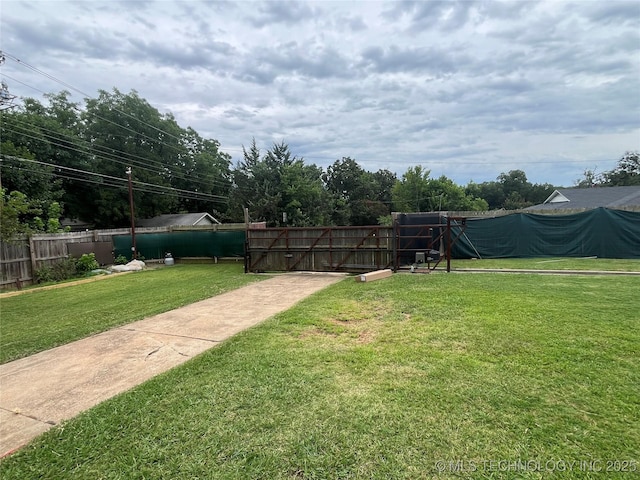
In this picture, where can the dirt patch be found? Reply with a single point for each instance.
(317, 332)
(366, 336)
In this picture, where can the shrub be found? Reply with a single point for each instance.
(120, 260)
(86, 263)
(63, 269)
(43, 274)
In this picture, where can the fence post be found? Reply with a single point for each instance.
(448, 243)
(396, 239)
(32, 256)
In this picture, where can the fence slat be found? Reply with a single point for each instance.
(23, 256)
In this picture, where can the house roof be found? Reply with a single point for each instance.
(179, 219)
(76, 225)
(588, 198)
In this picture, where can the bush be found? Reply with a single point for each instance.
(43, 275)
(86, 263)
(67, 268)
(120, 260)
(63, 269)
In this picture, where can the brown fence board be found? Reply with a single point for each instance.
(23, 256)
(19, 259)
(15, 261)
(320, 249)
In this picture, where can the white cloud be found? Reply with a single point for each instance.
(466, 89)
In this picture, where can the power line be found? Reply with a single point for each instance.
(312, 157)
(55, 79)
(202, 180)
(102, 152)
(86, 95)
(109, 180)
(22, 83)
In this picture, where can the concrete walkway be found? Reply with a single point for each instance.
(45, 389)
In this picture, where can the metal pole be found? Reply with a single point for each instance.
(448, 244)
(133, 222)
(396, 239)
(246, 240)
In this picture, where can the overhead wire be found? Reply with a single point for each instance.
(22, 83)
(170, 135)
(157, 188)
(105, 151)
(87, 96)
(201, 180)
(109, 180)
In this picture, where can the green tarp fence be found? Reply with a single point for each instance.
(183, 244)
(601, 232)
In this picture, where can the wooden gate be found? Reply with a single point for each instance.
(351, 249)
(322, 249)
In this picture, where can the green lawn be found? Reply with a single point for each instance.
(415, 376)
(41, 319)
(587, 263)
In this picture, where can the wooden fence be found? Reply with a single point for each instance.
(345, 249)
(22, 257)
(327, 249)
(423, 241)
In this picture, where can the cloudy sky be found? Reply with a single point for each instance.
(466, 89)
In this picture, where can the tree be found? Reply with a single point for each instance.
(202, 168)
(416, 192)
(359, 197)
(411, 193)
(33, 141)
(21, 172)
(245, 182)
(13, 208)
(343, 178)
(384, 182)
(627, 172)
(491, 192)
(280, 188)
(366, 206)
(304, 199)
(515, 184)
(20, 215)
(125, 131)
(30, 196)
(589, 179)
(511, 191)
(452, 197)
(88, 152)
(256, 186)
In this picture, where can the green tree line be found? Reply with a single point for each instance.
(63, 159)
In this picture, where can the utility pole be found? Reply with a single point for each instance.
(6, 99)
(133, 222)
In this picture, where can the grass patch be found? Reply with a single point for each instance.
(384, 380)
(555, 263)
(41, 319)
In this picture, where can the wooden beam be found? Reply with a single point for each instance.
(377, 275)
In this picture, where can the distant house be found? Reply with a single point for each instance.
(179, 219)
(75, 225)
(580, 199)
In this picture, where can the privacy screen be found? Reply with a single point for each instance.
(183, 244)
(601, 232)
